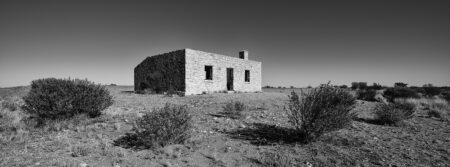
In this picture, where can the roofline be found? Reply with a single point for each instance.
(222, 55)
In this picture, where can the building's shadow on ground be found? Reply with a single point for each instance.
(264, 134)
(127, 92)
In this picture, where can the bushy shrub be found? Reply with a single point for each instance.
(171, 124)
(431, 91)
(359, 85)
(367, 95)
(53, 98)
(319, 111)
(435, 113)
(393, 113)
(375, 86)
(400, 84)
(446, 96)
(399, 92)
(234, 109)
(417, 89)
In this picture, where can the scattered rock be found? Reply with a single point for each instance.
(165, 164)
(242, 126)
(173, 151)
(438, 142)
(83, 164)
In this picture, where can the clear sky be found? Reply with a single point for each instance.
(299, 43)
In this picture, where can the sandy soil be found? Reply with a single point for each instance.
(258, 137)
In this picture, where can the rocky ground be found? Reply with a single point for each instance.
(257, 139)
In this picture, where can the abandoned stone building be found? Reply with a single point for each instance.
(191, 71)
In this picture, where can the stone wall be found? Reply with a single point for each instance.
(196, 82)
(161, 73)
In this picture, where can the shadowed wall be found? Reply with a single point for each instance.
(161, 73)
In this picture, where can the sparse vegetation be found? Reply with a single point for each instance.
(171, 124)
(265, 137)
(399, 92)
(393, 113)
(446, 95)
(234, 109)
(11, 106)
(275, 159)
(367, 95)
(435, 113)
(375, 86)
(430, 90)
(320, 111)
(53, 98)
(400, 84)
(80, 151)
(359, 85)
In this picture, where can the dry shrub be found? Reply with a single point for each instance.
(319, 111)
(57, 125)
(426, 103)
(171, 124)
(431, 91)
(80, 151)
(234, 109)
(446, 95)
(53, 98)
(393, 113)
(399, 92)
(11, 106)
(11, 120)
(367, 95)
(435, 113)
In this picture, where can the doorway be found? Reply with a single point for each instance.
(230, 79)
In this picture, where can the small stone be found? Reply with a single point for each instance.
(437, 141)
(83, 164)
(242, 126)
(308, 164)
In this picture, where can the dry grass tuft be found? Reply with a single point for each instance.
(234, 109)
(171, 124)
(393, 113)
(275, 159)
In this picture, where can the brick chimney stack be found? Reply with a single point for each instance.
(243, 55)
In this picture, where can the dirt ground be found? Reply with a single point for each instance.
(259, 137)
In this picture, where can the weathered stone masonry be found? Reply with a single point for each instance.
(190, 76)
(161, 73)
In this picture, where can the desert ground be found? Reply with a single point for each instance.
(258, 139)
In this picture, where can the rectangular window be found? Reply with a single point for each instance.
(209, 72)
(247, 75)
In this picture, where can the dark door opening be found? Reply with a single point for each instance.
(230, 79)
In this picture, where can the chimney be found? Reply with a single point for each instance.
(243, 55)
